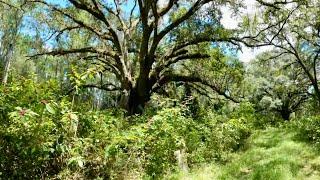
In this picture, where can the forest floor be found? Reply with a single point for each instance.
(271, 154)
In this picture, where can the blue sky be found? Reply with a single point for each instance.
(228, 20)
(29, 23)
(231, 22)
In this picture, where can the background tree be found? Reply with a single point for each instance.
(292, 28)
(11, 15)
(276, 85)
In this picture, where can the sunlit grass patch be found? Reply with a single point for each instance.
(271, 154)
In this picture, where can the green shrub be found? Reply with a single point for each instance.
(308, 128)
(258, 120)
(43, 137)
(219, 136)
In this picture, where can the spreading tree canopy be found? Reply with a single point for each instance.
(140, 42)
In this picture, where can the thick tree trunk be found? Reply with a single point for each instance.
(141, 92)
(133, 99)
(137, 100)
(285, 110)
(285, 114)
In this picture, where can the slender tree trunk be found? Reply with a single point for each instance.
(7, 65)
(316, 91)
(6, 72)
(313, 78)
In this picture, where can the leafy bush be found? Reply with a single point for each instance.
(308, 128)
(43, 137)
(219, 136)
(257, 120)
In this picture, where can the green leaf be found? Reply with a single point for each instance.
(80, 163)
(50, 109)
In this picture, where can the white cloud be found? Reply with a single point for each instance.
(231, 21)
(228, 20)
(249, 54)
(162, 3)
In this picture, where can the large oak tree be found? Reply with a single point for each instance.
(140, 41)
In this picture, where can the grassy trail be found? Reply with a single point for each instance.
(271, 154)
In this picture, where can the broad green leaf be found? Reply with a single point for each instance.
(50, 109)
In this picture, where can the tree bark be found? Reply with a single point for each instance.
(7, 65)
(136, 103)
(138, 97)
(316, 91)
(285, 115)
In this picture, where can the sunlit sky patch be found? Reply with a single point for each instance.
(230, 21)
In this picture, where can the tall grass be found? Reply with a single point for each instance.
(271, 154)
